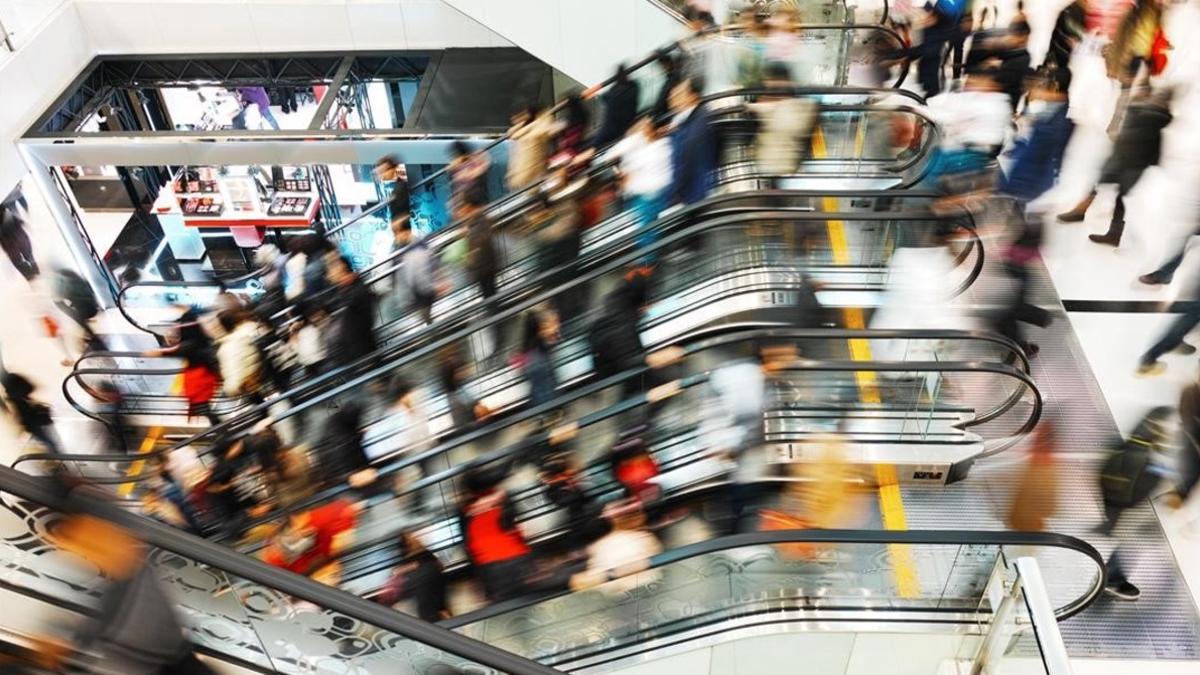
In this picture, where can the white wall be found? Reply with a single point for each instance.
(214, 26)
(46, 61)
(585, 39)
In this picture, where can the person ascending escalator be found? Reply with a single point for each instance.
(494, 542)
(616, 342)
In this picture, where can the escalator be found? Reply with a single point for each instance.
(982, 590)
(928, 418)
(853, 133)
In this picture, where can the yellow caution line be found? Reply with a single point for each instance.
(136, 468)
(891, 503)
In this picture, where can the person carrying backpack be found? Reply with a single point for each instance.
(1129, 477)
(74, 297)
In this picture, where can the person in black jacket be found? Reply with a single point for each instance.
(616, 342)
(620, 102)
(1138, 147)
(483, 257)
(1128, 478)
(341, 452)
(33, 415)
(354, 323)
(672, 75)
(420, 576)
(389, 170)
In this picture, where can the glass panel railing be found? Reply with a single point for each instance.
(792, 580)
(234, 606)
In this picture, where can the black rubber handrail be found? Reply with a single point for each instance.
(42, 491)
(847, 537)
(506, 200)
(390, 355)
(393, 465)
(528, 284)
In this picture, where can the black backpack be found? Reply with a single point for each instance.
(75, 292)
(1129, 474)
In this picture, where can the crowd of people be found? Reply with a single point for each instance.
(1004, 130)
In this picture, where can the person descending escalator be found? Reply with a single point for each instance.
(560, 478)
(420, 577)
(785, 125)
(341, 454)
(483, 260)
(536, 360)
(238, 354)
(620, 107)
(308, 542)
(417, 277)
(201, 369)
(74, 297)
(615, 338)
(404, 431)
(672, 70)
(557, 232)
(644, 161)
(354, 314)
(389, 170)
(530, 151)
(693, 145)
(617, 561)
(494, 542)
(468, 175)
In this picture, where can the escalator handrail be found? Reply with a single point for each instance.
(852, 537)
(394, 463)
(680, 216)
(159, 535)
(927, 142)
(542, 296)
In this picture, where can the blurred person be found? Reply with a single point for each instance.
(404, 431)
(169, 490)
(672, 72)
(113, 408)
(308, 542)
(316, 277)
(1037, 156)
(15, 241)
(494, 542)
(201, 368)
(1188, 463)
(136, 630)
(616, 559)
(570, 137)
(294, 481)
(389, 170)
(615, 340)
(417, 274)
(964, 29)
(1134, 42)
(557, 233)
(1070, 28)
(693, 146)
(33, 415)
(633, 464)
(560, 478)
(940, 24)
(785, 124)
(238, 355)
(530, 148)
(75, 298)
(354, 317)
(483, 260)
(1010, 50)
(974, 124)
(782, 43)
(731, 427)
(305, 335)
(465, 409)
(540, 334)
(257, 97)
(644, 159)
(1172, 337)
(420, 576)
(468, 175)
(1036, 497)
(341, 455)
(1128, 478)
(620, 107)
(1137, 148)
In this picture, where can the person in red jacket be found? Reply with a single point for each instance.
(494, 543)
(309, 540)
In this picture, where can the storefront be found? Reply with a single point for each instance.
(182, 168)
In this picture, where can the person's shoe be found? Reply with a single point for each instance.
(1151, 369)
(1072, 216)
(1105, 239)
(1123, 590)
(1031, 349)
(1155, 279)
(1185, 349)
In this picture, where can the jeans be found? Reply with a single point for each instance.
(239, 120)
(1178, 329)
(646, 209)
(929, 67)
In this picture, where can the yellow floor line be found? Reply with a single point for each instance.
(136, 468)
(891, 503)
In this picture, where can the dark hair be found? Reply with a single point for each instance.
(229, 320)
(17, 386)
(693, 84)
(459, 148)
(344, 261)
(622, 74)
(775, 70)
(532, 338)
(448, 372)
(573, 109)
(636, 291)
(403, 224)
(399, 387)
(666, 60)
(389, 161)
